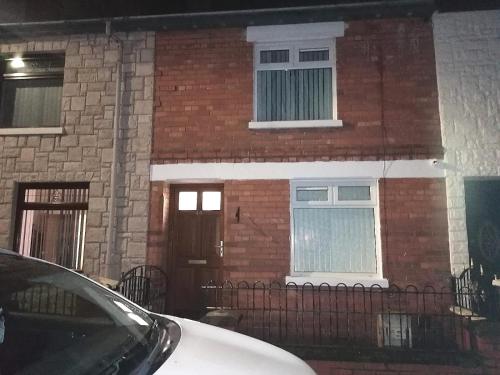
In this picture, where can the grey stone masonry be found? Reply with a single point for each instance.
(84, 152)
(468, 73)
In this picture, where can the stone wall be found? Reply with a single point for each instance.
(84, 151)
(468, 71)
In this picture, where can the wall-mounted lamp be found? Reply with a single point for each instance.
(17, 62)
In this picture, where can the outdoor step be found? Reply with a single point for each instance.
(223, 318)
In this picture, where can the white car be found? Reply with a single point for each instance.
(54, 321)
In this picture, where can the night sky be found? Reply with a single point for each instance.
(39, 10)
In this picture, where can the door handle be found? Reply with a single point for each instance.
(221, 248)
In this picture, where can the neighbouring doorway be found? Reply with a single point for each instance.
(196, 245)
(482, 202)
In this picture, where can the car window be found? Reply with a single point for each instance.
(53, 321)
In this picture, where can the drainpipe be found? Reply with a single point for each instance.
(110, 268)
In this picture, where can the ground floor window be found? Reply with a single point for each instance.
(51, 220)
(335, 228)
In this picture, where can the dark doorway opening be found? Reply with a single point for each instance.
(482, 202)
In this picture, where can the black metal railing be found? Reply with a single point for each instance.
(145, 285)
(334, 316)
(476, 294)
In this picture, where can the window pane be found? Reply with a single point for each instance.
(187, 200)
(354, 193)
(274, 56)
(334, 240)
(53, 232)
(314, 55)
(312, 194)
(31, 102)
(297, 94)
(35, 64)
(211, 201)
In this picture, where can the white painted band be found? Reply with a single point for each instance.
(209, 172)
(295, 124)
(300, 31)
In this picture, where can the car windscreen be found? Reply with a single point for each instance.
(53, 321)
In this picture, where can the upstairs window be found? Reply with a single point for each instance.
(294, 75)
(294, 82)
(31, 90)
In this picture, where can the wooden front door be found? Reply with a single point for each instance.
(197, 245)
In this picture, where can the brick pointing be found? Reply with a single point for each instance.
(483, 334)
(257, 245)
(386, 75)
(368, 368)
(414, 231)
(158, 224)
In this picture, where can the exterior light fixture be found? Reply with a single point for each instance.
(17, 62)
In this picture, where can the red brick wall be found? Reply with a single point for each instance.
(484, 335)
(367, 368)
(257, 245)
(413, 225)
(387, 98)
(158, 224)
(414, 231)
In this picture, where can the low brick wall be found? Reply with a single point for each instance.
(485, 338)
(355, 368)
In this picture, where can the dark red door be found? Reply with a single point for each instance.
(197, 246)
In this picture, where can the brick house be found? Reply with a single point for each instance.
(282, 126)
(263, 133)
(304, 151)
(312, 154)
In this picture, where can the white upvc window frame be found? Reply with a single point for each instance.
(294, 47)
(296, 38)
(348, 278)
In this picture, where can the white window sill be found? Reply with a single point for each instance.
(31, 131)
(367, 282)
(295, 124)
